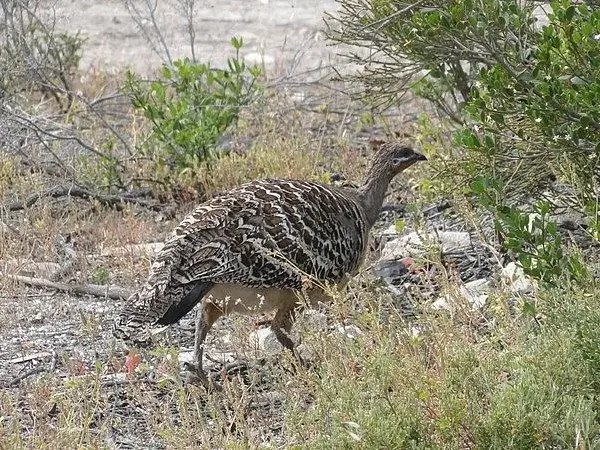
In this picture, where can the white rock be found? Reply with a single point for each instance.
(389, 233)
(402, 247)
(515, 279)
(415, 331)
(264, 339)
(476, 292)
(305, 352)
(442, 304)
(454, 241)
(350, 331)
(316, 320)
(298, 97)
(415, 244)
(186, 357)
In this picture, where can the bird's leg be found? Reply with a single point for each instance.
(282, 325)
(207, 316)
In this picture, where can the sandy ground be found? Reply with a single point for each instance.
(285, 35)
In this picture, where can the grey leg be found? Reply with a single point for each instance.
(205, 320)
(282, 325)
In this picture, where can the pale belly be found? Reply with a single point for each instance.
(235, 298)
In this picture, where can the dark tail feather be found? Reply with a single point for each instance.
(186, 304)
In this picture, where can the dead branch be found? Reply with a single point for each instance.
(38, 369)
(116, 201)
(97, 290)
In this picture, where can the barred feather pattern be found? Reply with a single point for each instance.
(267, 233)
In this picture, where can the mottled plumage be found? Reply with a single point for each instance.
(253, 248)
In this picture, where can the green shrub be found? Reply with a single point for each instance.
(522, 95)
(530, 235)
(191, 104)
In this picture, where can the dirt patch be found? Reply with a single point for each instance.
(284, 35)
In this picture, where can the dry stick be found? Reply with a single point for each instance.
(97, 290)
(75, 191)
(36, 370)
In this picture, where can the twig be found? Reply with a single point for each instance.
(97, 290)
(24, 359)
(74, 191)
(38, 369)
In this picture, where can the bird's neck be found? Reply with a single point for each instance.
(372, 193)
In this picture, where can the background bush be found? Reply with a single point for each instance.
(190, 105)
(516, 98)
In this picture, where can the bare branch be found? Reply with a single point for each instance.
(97, 290)
(152, 32)
(115, 201)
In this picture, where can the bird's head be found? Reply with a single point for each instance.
(392, 158)
(399, 157)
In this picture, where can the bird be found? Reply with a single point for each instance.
(267, 245)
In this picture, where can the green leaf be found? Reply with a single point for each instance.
(399, 225)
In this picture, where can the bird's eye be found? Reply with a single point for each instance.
(396, 161)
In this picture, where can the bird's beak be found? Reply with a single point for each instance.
(419, 157)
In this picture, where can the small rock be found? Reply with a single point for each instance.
(389, 233)
(454, 241)
(298, 97)
(350, 331)
(186, 357)
(389, 270)
(476, 292)
(415, 331)
(415, 244)
(264, 339)
(442, 304)
(306, 353)
(37, 319)
(515, 279)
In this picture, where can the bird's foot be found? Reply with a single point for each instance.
(196, 376)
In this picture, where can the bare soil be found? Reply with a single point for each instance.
(276, 32)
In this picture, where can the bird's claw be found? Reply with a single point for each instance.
(196, 376)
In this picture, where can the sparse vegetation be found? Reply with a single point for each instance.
(512, 139)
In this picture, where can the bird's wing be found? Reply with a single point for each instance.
(237, 248)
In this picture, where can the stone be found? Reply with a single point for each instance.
(416, 244)
(264, 339)
(389, 269)
(476, 292)
(442, 304)
(515, 279)
(349, 331)
(315, 320)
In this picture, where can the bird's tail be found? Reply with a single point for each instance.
(133, 323)
(154, 305)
